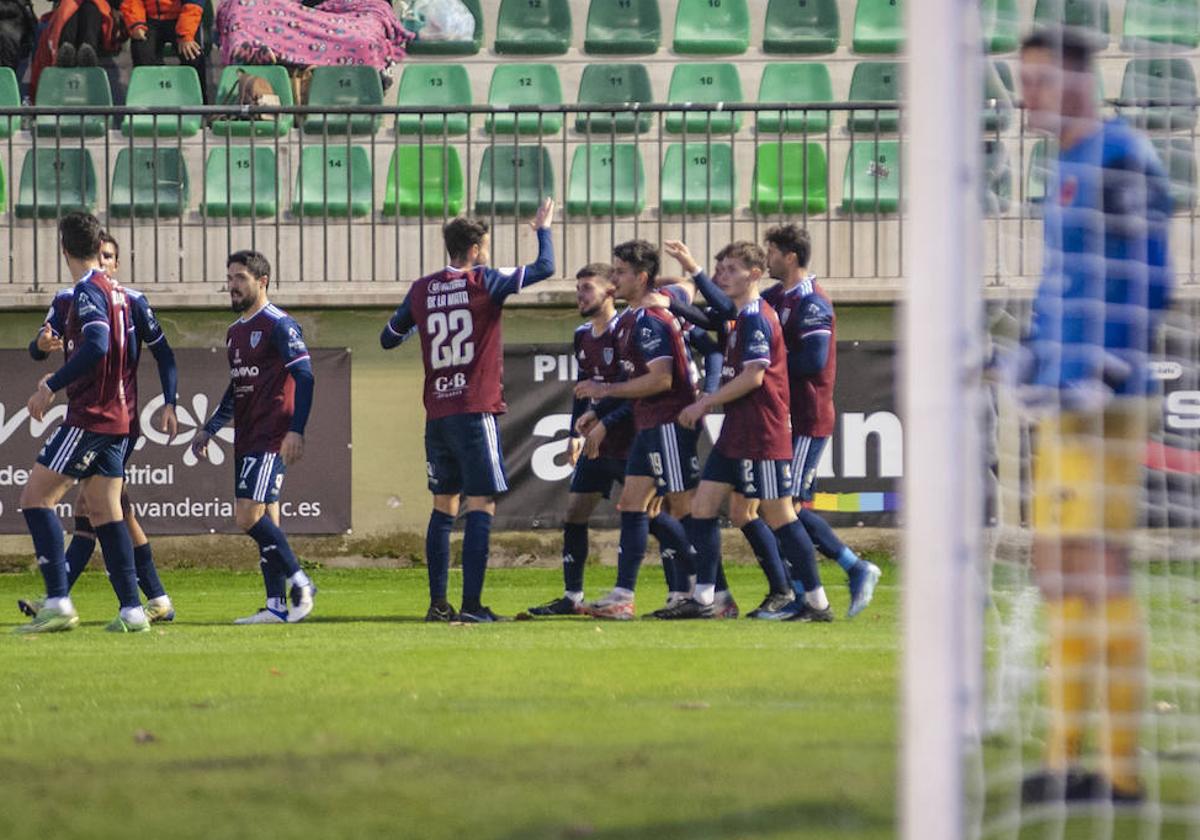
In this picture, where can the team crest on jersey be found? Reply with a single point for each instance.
(608, 355)
(255, 337)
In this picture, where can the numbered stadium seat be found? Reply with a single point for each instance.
(149, 183)
(1161, 21)
(711, 27)
(349, 84)
(1179, 159)
(875, 81)
(1001, 25)
(277, 77)
(871, 182)
(879, 27)
(1082, 14)
(533, 27)
(1160, 80)
(702, 83)
(790, 178)
(333, 181)
(513, 180)
(525, 84)
(424, 180)
(241, 182)
(698, 178)
(622, 27)
(163, 87)
(604, 84)
(56, 181)
(10, 97)
(606, 180)
(801, 27)
(434, 85)
(799, 81)
(467, 47)
(59, 86)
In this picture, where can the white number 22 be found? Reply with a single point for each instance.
(456, 327)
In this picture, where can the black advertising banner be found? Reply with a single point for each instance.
(858, 477)
(172, 492)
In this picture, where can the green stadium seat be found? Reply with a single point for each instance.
(698, 178)
(606, 180)
(871, 182)
(879, 27)
(997, 101)
(277, 76)
(703, 83)
(711, 27)
(149, 183)
(1179, 160)
(344, 84)
(241, 182)
(801, 27)
(469, 47)
(533, 27)
(623, 27)
(175, 86)
(1161, 21)
(1001, 23)
(73, 86)
(10, 97)
(997, 187)
(424, 180)
(606, 84)
(801, 81)
(333, 181)
(875, 81)
(1082, 14)
(525, 84)
(1160, 80)
(513, 180)
(56, 181)
(436, 85)
(1037, 173)
(790, 178)
(3, 189)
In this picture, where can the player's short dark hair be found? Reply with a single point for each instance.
(1074, 46)
(255, 262)
(80, 235)
(747, 253)
(639, 255)
(461, 234)
(599, 270)
(107, 238)
(791, 239)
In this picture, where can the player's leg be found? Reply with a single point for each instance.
(743, 512)
(704, 533)
(41, 493)
(78, 553)
(580, 504)
(158, 603)
(633, 504)
(773, 483)
(668, 524)
(103, 493)
(445, 485)
(481, 460)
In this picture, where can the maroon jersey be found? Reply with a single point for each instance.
(261, 349)
(596, 356)
(805, 311)
(97, 401)
(644, 336)
(457, 313)
(756, 426)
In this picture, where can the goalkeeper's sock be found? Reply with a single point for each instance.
(1072, 659)
(1126, 676)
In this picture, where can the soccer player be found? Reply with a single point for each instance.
(144, 329)
(90, 444)
(606, 426)
(269, 398)
(1085, 370)
(457, 314)
(752, 455)
(810, 332)
(662, 459)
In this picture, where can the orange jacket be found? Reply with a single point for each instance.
(185, 13)
(111, 36)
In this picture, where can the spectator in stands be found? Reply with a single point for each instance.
(153, 24)
(17, 25)
(76, 33)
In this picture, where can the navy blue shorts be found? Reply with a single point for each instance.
(769, 479)
(596, 475)
(667, 453)
(78, 453)
(806, 457)
(462, 455)
(133, 439)
(259, 476)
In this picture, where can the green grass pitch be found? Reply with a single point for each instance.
(365, 722)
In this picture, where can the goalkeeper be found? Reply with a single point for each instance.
(1084, 371)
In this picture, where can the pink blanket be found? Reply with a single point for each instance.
(287, 32)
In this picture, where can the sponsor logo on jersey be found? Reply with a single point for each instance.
(243, 371)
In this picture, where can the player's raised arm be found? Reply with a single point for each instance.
(501, 284)
(722, 306)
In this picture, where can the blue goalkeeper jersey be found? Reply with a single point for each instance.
(1106, 275)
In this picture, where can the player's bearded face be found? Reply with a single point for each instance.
(776, 262)
(588, 298)
(244, 290)
(108, 260)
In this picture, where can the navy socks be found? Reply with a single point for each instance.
(273, 544)
(476, 543)
(766, 549)
(574, 555)
(635, 532)
(118, 560)
(706, 538)
(676, 550)
(147, 574)
(79, 553)
(437, 553)
(48, 546)
(798, 550)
